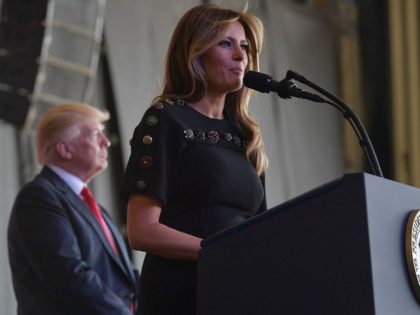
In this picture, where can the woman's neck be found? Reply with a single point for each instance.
(210, 106)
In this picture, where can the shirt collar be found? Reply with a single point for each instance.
(75, 183)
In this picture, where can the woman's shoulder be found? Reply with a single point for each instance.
(168, 106)
(165, 114)
(168, 110)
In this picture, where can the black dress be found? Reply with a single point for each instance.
(196, 166)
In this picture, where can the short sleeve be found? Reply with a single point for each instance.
(263, 206)
(150, 167)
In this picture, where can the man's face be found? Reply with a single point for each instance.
(89, 149)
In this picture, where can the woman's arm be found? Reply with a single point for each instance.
(146, 233)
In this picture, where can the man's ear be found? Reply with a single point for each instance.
(63, 150)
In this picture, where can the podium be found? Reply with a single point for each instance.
(338, 249)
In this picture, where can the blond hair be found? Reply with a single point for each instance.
(57, 123)
(201, 28)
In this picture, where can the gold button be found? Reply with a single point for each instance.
(147, 139)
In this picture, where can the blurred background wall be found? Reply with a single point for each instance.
(110, 53)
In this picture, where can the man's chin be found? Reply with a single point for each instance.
(101, 167)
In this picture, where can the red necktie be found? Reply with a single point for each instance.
(87, 196)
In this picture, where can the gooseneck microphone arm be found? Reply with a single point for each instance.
(287, 89)
(348, 113)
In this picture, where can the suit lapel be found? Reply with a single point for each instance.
(81, 207)
(121, 246)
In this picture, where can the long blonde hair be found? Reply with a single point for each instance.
(201, 28)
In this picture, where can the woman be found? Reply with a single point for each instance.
(197, 158)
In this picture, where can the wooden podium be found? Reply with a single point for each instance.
(338, 249)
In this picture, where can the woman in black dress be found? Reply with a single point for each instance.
(197, 159)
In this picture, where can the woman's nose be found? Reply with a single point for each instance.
(239, 53)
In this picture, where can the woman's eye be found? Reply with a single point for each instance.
(245, 47)
(225, 43)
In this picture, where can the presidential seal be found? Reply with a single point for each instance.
(412, 251)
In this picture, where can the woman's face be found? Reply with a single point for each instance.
(224, 64)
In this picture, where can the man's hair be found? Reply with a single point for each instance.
(57, 123)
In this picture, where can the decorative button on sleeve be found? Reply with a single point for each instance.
(147, 139)
(146, 162)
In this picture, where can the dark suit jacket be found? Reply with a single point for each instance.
(60, 259)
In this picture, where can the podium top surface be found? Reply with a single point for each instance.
(351, 179)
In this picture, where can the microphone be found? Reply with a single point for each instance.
(286, 88)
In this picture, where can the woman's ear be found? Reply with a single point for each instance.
(63, 150)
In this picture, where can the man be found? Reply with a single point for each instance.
(66, 259)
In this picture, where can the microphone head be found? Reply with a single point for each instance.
(257, 81)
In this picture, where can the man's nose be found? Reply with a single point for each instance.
(105, 140)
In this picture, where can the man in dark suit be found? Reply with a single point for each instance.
(66, 258)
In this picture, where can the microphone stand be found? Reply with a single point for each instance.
(348, 114)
